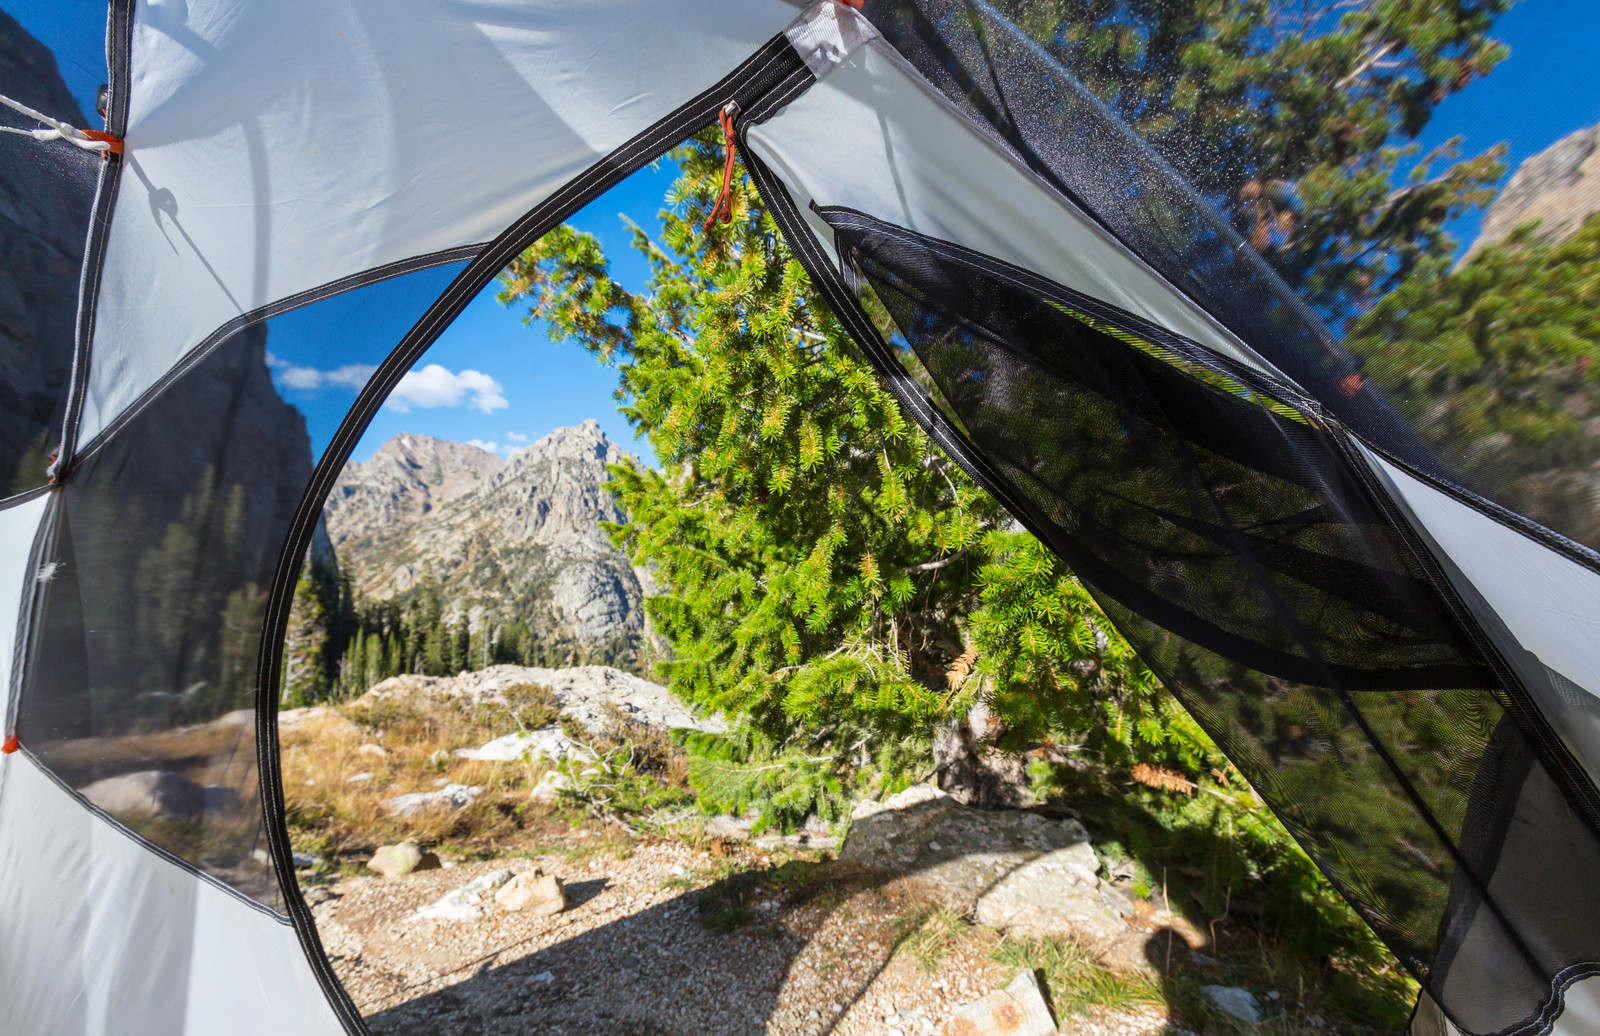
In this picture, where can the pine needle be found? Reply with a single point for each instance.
(1166, 780)
(961, 668)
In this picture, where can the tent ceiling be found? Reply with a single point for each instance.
(274, 148)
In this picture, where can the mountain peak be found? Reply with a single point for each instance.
(504, 540)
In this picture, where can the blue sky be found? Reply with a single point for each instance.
(492, 379)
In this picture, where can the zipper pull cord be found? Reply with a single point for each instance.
(722, 211)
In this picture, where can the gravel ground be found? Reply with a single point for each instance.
(630, 955)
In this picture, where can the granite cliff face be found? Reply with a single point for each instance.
(506, 540)
(1559, 187)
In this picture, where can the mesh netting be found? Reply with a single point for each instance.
(165, 545)
(1175, 200)
(1226, 531)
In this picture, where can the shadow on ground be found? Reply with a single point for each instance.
(787, 949)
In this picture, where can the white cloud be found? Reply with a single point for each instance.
(505, 450)
(435, 386)
(308, 379)
(516, 437)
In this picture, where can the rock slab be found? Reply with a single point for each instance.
(1014, 870)
(466, 902)
(546, 743)
(451, 796)
(582, 693)
(1017, 1010)
(155, 793)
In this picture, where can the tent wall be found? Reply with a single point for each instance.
(1069, 369)
(102, 936)
(904, 156)
(1548, 605)
(19, 524)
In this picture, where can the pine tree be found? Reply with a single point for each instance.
(823, 567)
(1297, 120)
(1495, 363)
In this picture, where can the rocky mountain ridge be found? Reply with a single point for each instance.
(504, 540)
(1559, 187)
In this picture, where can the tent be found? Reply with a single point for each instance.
(1395, 647)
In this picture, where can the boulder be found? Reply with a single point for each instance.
(534, 892)
(550, 786)
(148, 793)
(320, 720)
(546, 743)
(373, 751)
(1015, 870)
(582, 693)
(394, 860)
(1017, 1010)
(466, 902)
(1234, 1002)
(451, 796)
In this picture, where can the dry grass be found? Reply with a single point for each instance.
(930, 934)
(335, 816)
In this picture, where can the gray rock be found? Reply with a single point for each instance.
(451, 796)
(1234, 1002)
(466, 902)
(148, 793)
(547, 743)
(550, 787)
(583, 694)
(1559, 187)
(1011, 869)
(392, 861)
(533, 891)
(972, 772)
(1017, 1010)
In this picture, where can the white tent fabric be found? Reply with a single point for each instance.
(102, 936)
(892, 142)
(18, 527)
(275, 148)
(278, 152)
(1550, 604)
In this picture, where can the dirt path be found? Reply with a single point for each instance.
(811, 949)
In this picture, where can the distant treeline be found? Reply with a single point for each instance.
(338, 646)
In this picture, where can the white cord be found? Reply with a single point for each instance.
(58, 130)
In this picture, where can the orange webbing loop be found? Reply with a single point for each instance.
(113, 144)
(722, 211)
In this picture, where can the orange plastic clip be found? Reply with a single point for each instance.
(11, 745)
(115, 143)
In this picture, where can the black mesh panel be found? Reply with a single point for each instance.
(46, 197)
(143, 691)
(1172, 201)
(1227, 533)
